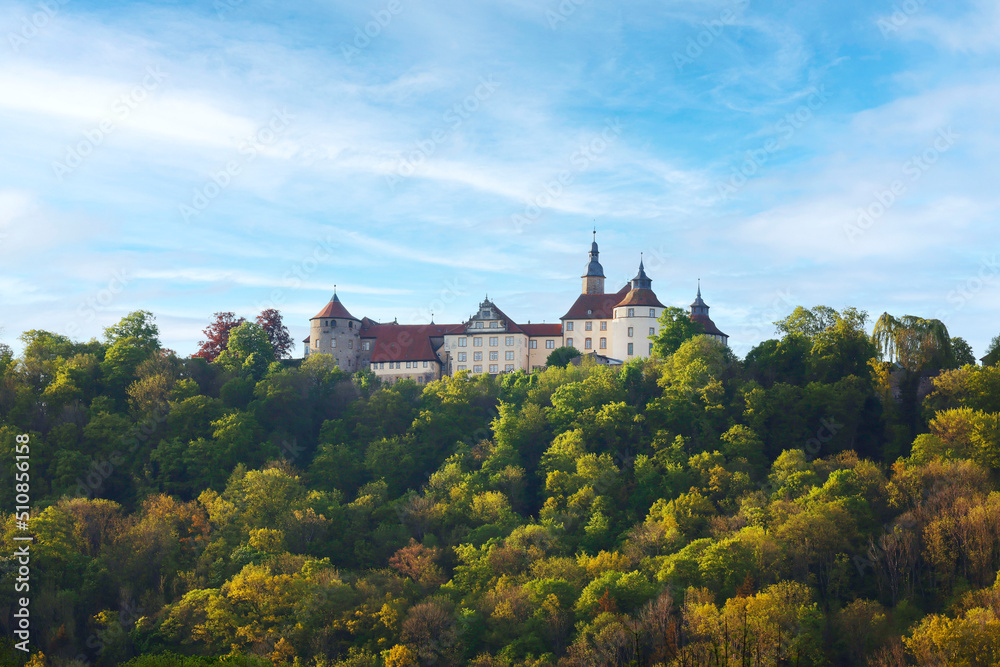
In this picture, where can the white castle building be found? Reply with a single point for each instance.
(614, 328)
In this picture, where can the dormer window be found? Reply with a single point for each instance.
(486, 313)
(590, 312)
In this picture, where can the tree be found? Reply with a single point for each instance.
(992, 357)
(676, 326)
(140, 324)
(808, 322)
(277, 332)
(963, 352)
(248, 350)
(917, 344)
(561, 356)
(217, 336)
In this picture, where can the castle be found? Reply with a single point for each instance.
(614, 328)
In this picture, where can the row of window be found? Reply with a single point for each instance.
(494, 356)
(380, 365)
(333, 344)
(493, 368)
(333, 323)
(589, 326)
(549, 345)
(493, 325)
(494, 341)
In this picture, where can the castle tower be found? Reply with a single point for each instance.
(699, 314)
(635, 319)
(593, 279)
(336, 332)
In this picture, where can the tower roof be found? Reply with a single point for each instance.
(698, 302)
(335, 309)
(594, 269)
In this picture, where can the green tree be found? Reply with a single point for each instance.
(675, 327)
(139, 324)
(249, 351)
(561, 356)
(992, 357)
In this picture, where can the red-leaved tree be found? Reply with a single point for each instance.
(277, 333)
(217, 334)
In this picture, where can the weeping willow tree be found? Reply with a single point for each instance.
(914, 343)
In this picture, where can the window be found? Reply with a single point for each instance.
(494, 341)
(652, 312)
(550, 345)
(486, 313)
(604, 343)
(316, 344)
(532, 344)
(630, 349)
(631, 312)
(569, 326)
(479, 325)
(333, 323)
(509, 368)
(652, 331)
(494, 356)
(604, 326)
(589, 326)
(493, 325)
(350, 345)
(477, 369)
(509, 355)
(407, 364)
(587, 345)
(569, 342)
(462, 368)
(630, 332)
(425, 364)
(350, 325)
(381, 365)
(333, 343)
(461, 356)
(477, 342)
(366, 345)
(509, 341)
(420, 379)
(374, 366)
(590, 312)
(477, 356)
(462, 342)
(494, 368)
(650, 348)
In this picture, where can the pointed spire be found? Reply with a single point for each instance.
(699, 288)
(641, 280)
(335, 297)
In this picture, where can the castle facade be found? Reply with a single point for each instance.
(612, 327)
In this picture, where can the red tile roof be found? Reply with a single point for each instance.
(335, 309)
(641, 297)
(405, 342)
(601, 306)
(707, 325)
(542, 329)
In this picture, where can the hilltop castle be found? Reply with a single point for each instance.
(613, 327)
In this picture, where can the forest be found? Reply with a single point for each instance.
(830, 499)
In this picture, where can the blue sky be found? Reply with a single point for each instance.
(188, 158)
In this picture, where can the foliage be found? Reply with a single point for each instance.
(804, 505)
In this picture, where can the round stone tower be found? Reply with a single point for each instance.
(336, 332)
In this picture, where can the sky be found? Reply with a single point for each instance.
(235, 155)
